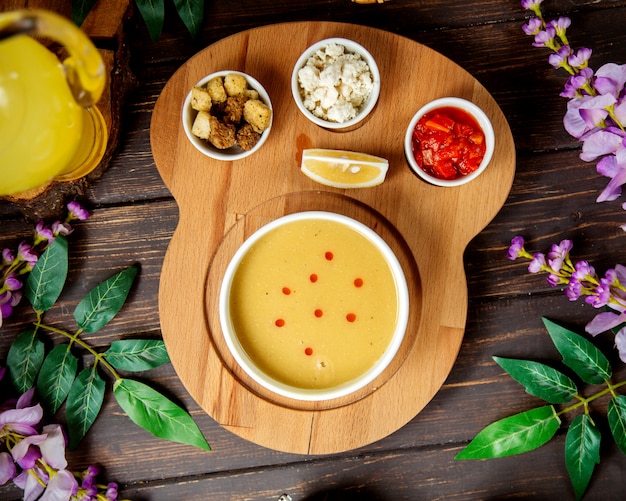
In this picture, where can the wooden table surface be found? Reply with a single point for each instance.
(134, 217)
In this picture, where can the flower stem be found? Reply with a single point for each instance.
(586, 401)
(75, 339)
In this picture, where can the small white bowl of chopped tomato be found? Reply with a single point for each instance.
(449, 142)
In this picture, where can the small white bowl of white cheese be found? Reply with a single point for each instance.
(336, 83)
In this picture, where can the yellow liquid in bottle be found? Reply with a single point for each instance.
(40, 123)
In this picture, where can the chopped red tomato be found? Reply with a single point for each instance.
(448, 143)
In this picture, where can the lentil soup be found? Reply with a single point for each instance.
(314, 303)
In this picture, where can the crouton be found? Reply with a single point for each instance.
(200, 99)
(222, 135)
(257, 114)
(235, 84)
(251, 94)
(232, 112)
(202, 125)
(216, 90)
(247, 137)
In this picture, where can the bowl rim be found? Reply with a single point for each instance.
(234, 152)
(354, 47)
(479, 115)
(344, 389)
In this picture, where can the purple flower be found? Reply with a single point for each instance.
(574, 290)
(21, 420)
(583, 271)
(571, 90)
(60, 487)
(560, 58)
(545, 38)
(7, 468)
(89, 477)
(111, 492)
(76, 211)
(560, 25)
(553, 279)
(620, 274)
(49, 447)
(6, 308)
(605, 321)
(534, 26)
(580, 59)
(619, 110)
(602, 142)
(25, 453)
(573, 121)
(43, 233)
(537, 263)
(614, 167)
(558, 254)
(620, 343)
(25, 253)
(7, 257)
(30, 482)
(593, 111)
(12, 283)
(601, 296)
(53, 448)
(531, 4)
(59, 228)
(610, 79)
(517, 246)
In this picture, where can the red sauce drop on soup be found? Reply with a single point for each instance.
(448, 143)
(318, 313)
(308, 352)
(279, 323)
(313, 278)
(329, 256)
(350, 317)
(358, 282)
(286, 291)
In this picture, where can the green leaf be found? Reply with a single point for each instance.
(579, 354)
(56, 377)
(192, 14)
(137, 354)
(24, 360)
(540, 380)
(103, 302)
(582, 452)
(84, 402)
(513, 435)
(80, 10)
(46, 280)
(155, 413)
(153, 14)
(616, 414)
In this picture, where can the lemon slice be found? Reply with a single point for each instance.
(343, 169)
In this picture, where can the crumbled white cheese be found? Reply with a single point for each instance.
(335, 83)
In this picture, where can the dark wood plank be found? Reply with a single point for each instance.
(553, 197)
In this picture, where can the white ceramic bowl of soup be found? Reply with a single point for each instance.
(466, 112)
(314, 306)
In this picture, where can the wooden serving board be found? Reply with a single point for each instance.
(221, 203)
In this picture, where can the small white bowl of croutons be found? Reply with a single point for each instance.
(227, 115)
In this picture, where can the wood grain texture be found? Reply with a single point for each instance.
(552, 197)
(436, 224)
